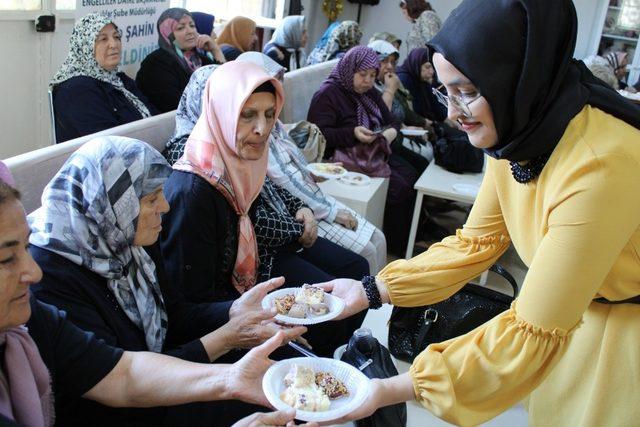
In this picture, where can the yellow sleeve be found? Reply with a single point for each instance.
(446, 266)
(472, 378)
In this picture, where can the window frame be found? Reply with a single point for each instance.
(48, 7)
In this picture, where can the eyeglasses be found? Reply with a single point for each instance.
(460, 102)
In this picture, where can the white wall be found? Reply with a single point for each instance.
(30, 59)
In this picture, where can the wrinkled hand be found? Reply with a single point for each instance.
(271, 419)
(244, 380)
(249, 324)
(351, 292)
(364, 135)
(346, 219)
(391, 82)
(310, 232)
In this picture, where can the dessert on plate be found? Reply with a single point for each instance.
(310, 391)
(308, 301)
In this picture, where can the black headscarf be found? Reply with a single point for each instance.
(518, 53)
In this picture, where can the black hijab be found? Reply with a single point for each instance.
(518, 53)
(424, 101)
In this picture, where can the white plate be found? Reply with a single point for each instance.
(317, 170)
(355, 178)
(466, 189)
(355, 381)
(414, 132)
(336, 305)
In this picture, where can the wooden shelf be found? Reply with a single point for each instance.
(613, 36)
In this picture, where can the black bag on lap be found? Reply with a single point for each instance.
(453, 151)
(373, 359)
(412, 329)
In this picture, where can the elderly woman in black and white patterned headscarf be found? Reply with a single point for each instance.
(89, 94)
(95, 239)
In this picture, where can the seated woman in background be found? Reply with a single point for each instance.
(286, 46)
(601, 68)
(46, 360)
(238, 36)
(223, 225)
(89, 94)
(287, 169)
(398, 99)
(619, 61)
(204, 25)
(388, 37)
(359, 129)
(417, 75)
(95, 239)
(342, 38)
(425, 22)
(165, 72)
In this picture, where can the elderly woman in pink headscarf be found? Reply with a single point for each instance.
(360, 129)
(222, 206)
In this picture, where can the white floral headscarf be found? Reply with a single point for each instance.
(81, 60)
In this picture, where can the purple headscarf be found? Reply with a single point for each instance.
(412, 65)
(357, 59)
(424, 102)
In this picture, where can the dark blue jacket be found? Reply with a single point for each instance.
(83, 105)
(162, 78)
(272, 49)
(230, 52)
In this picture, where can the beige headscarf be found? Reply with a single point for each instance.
(237, 33)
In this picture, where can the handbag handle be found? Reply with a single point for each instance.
(430, 316)
(500, 270)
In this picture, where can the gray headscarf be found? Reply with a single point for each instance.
(188, 112)
(81, 60)
(89, 215)
(289, 36)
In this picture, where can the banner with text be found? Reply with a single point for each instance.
(136, 19)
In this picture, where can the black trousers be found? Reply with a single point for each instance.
(322, 262)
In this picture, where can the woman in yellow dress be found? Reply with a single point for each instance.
(562, 186)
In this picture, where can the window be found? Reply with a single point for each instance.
(266, 13)
(629, 17)
(20, 4)
(65, 4)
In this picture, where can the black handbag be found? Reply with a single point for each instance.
(453, 151)
(374, 360)
(412, 329)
